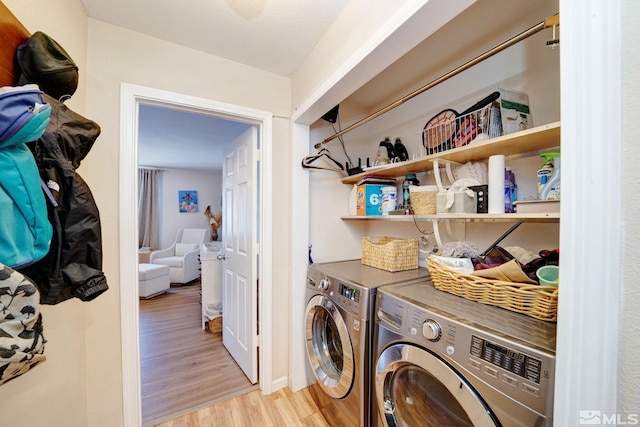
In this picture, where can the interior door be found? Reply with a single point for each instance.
(239, 239)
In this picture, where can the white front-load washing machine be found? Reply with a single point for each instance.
(339, 335)
(442, 360)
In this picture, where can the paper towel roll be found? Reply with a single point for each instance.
(496, 184)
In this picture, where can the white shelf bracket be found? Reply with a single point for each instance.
(436, 233)
(436, 175)
(449, 172)
(450, 230)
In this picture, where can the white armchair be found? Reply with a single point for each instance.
(182, 256)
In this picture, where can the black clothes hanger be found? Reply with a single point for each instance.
(308, 160)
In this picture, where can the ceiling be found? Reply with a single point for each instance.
(173, 139)
(271, 35)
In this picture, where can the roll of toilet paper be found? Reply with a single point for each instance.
(496, 184)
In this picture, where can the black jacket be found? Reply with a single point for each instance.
(72, 268)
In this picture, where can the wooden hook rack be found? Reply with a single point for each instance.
(12, 34)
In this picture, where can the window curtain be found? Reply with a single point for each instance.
(148, 208)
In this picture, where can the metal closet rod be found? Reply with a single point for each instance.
(552, 21)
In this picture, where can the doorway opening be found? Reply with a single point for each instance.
(183, 367)
(132, 97)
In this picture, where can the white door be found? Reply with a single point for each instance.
(240, 226)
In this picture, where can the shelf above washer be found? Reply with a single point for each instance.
(529, 140)
(550, 217)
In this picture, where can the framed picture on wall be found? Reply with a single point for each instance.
(188, 201)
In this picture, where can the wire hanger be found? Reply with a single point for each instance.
(308, 160)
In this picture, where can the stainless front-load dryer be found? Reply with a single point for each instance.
(339, 335)
(443, 360)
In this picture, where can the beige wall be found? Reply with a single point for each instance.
(56, 392)
(118, 56)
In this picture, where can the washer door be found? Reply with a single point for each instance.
(329, 347)
(416, 388)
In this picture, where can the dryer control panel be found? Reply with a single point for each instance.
(525, 374)
(510, 365)
(503, 357)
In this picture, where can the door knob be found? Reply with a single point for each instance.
(222, 257)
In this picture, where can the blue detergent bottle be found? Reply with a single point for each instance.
(546, 170)
(551, 190)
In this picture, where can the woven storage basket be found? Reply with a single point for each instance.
(423, 199)
(536, 301)
(215, 325)
(390, 253)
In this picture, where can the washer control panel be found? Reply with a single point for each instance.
(349, 292)
(348, 296)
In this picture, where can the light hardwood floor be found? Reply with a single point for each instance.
(183, 368)
(279, 409)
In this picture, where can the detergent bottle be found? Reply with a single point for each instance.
(546, 170)
(551, 190)
(385, 153)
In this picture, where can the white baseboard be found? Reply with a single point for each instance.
(279, 383)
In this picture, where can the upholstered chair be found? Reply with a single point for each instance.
(182, 256)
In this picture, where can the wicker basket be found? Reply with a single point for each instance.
(536, 301)
(215, 325)
(423, 199)
(390, 253)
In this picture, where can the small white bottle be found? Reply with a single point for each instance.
(389, 199)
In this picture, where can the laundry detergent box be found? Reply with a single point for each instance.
(369, 199)
(514, 110)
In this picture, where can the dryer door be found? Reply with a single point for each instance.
(329, 347)
(415, 387)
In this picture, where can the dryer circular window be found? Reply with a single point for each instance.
(329, 347)
(418, 388)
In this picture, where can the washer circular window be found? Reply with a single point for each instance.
(416, 387)
(329, 347)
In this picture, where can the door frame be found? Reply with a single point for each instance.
(131, 96)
